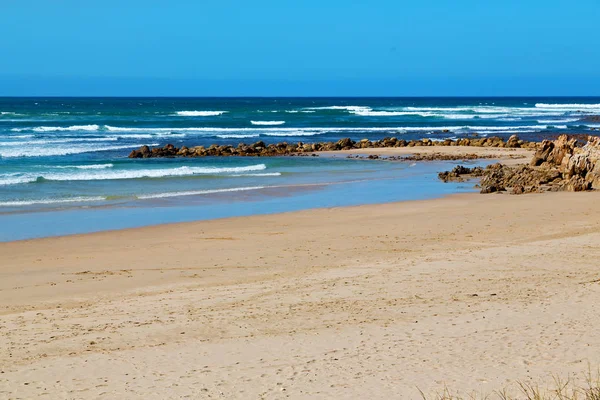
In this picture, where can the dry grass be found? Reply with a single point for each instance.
(562, 390)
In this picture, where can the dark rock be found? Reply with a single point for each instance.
(459, 173)
(260, 148)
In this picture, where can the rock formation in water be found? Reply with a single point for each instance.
(285, 149)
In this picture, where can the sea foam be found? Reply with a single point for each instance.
(267, 122)
(101, 174)
(36, 151)
(56, 141)
(91, 166)
(199, 113)
(237, 136)
(18, 203)
(342, 108)
(569, 106)
(198, 192)
(227, 133)
(68, 128)
(557, 121)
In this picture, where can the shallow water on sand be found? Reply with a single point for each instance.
(345, 183)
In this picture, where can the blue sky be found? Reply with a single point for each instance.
(308, 47)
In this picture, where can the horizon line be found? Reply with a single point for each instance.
(297, 97)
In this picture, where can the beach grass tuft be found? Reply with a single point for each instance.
(562, 389)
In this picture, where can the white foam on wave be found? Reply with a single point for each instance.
(37, 151)
(558, 121)
(58, 128)
(455, 116)
(569, 106)
(91, 166)
(353, 109)
(198, 192)
(458, 113)
(256, 131)
(154, 131)
(141, 136)
(311, 131)
(19, 136)
(475, 109)
(259, 174)
(510, 119)
(199, 113)
(65, 129)
(237, 136)
(490, 111)
(57, 141)
(154, 135)
(383, 113)
(294, 133)
(18, 203)
(533, 128)
(101, 174)
(372, 113)
(267, 123)
(13, 179)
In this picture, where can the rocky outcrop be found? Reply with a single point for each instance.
(559, 165)
(427, 157)
(280, 149)
(552, 153)
(460, 174)
(518, 180)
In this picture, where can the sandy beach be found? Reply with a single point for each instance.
(471, 292)
(506, 156)
(305, 200)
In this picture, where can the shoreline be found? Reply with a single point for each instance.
(389, 183)
(558, 165)
(282, 213)
(407, 292)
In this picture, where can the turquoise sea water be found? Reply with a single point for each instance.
(64, 166)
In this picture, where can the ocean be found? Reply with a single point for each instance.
(64, 166)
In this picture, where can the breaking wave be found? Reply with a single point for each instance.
(569, 106)
(197, 192)
(91, 166)
(558, 121)
(17, 203)
(102, 174)
(267, 123)
(35, 151)
(346, 108)
(199, 113)
(237, 136)
(60, 128)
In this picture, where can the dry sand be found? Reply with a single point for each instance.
(470, 291)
